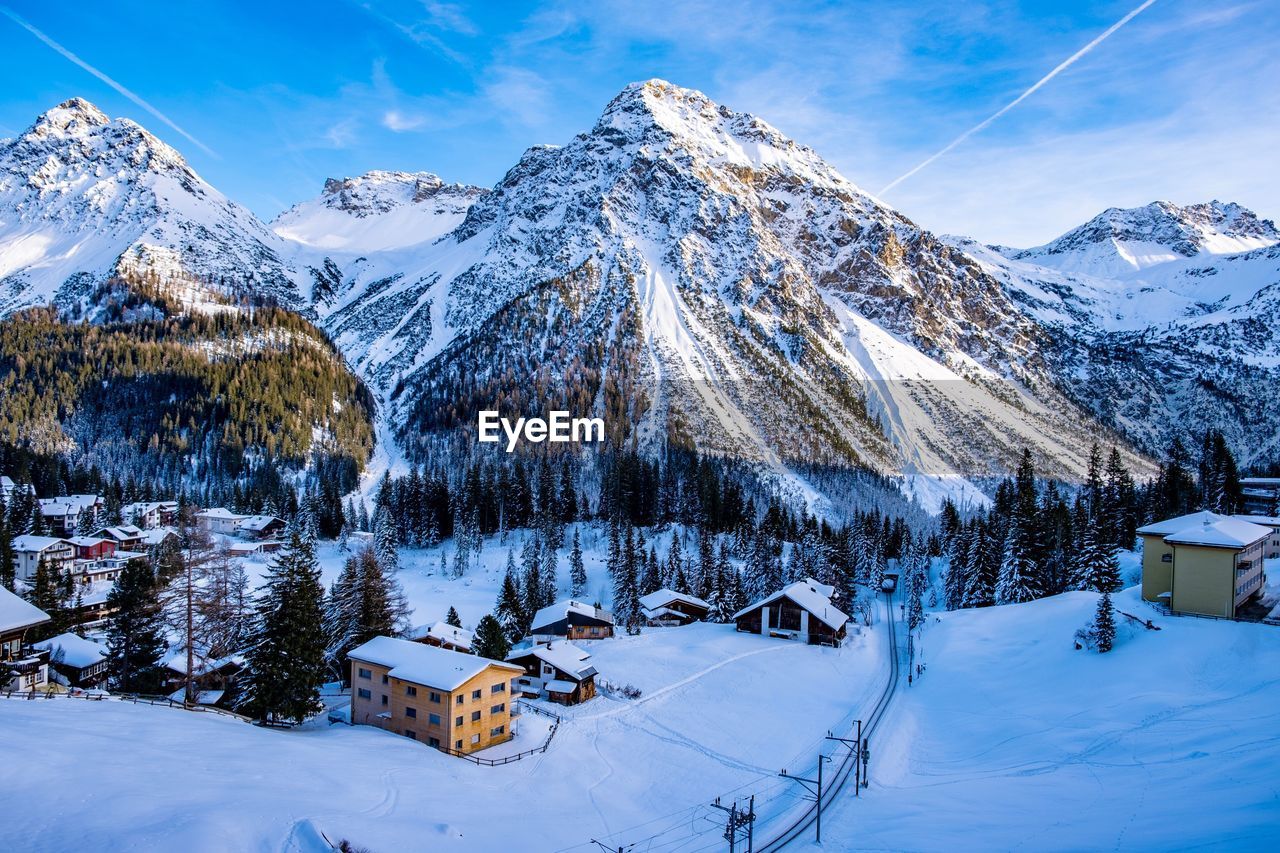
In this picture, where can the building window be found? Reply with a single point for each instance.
(457, 744)
(475, 716)
(364, 694)
(475, 739)
(433, 719)
(459, 698)
(435, 697)
(497, 730)
(1166, 558)
(411, 734)
(458, 721)
(433, 741)
(384, 679)
(364, 673)
(499, 688)
(411, 713)
(476, 694)
(498, 709)
(384, 699)
(410, 690)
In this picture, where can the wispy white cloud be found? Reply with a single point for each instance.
(11, 15)
(400, 122)
(520, 95)
(340, 134)
(985, 123)
(425, 33)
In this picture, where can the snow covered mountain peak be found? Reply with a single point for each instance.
(377, 211)
(1120, 241)
(70, 117)
(655, 114)
(84, 198)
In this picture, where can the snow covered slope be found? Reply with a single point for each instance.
(1014, 740)
(83, 198)
(613, 766)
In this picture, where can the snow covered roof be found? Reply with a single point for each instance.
(558, 686)
(1224, 533)
(563, 655)
(444, 632)
(1182, 522)
(122, 531)
(431, 666)
(812, 596)
(64, 503)
(76, 651)
(87, 541)
(203, 697)
(1264, 520)
(663, 597)
(1210, 529)
(561, 609)
(259, 522)
(220, 512)
(35, 544)
(158, 535)
(17, 613)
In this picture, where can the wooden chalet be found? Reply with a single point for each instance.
(30, 666)
(261, 527)
(800, 611)
(126, 536)
(667, 607)
(78, 662)
(444, 636)
(572, 620)
(557, 671)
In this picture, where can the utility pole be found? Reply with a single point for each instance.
(816, 790)
(854, 745)
(737, 821)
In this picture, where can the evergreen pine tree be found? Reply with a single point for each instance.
(1104, 623)
(626, 601)
(490, 640)
(135, 630)
(1019, 577)
(384, 541)
(452, 618)
(577, 569)
(285, 664)
(509, 609)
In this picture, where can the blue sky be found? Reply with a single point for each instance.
(1181, 103)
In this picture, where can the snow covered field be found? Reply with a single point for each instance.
(1014, 740)
(719, 711)
(1011, 740)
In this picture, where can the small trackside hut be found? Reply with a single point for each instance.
(800, 611)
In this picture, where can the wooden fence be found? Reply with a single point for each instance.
(508, 759)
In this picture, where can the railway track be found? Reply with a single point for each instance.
(846, 766)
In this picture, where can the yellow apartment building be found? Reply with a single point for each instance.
(452, 701)
(1204, 562)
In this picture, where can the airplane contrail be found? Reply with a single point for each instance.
(1063, 66)
(105, 79)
